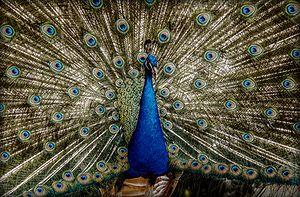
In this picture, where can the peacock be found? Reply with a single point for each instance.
(97, 93)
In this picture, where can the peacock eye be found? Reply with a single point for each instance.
(199, 84)
(201, 123)
(118, 62)
(2, 107)
(248, 137)
(296, 126)
(68, 175)
(142, 57)
(162, 111)
(173, 148)
(206, 169)
(178, 105)
(122, 151)
(292, 8)
(230, 104)
(167, 124)
(288, 84)
(122, 26)
(248, 84)
(133, 73)
(169, 69)
(203, 19)
(97, 4)
(5, 155)
(40, 190)
(13, 72)
(24, 135)
(235, 170)
(90, 40)
(101, 166)
(50, 146)
(73, 92)
(113, 128)
(221, 168)
(57, 117)
(84, 178)
(110, 94)
(203, 158)
(150, 2)
(84, 131)
(270, 113)
(56, 66)
(248, 10)
(120, 83)
(270, 171)
(255, 50)
(211, 56)
(295, 54)
(164, 36)
(28, 194)
(100, 110)
(7, 31)
(164, 92)
(98, 73)
(49, 30)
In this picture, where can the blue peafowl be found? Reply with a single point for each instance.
(95, 93)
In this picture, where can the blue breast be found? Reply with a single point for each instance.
(147, 151)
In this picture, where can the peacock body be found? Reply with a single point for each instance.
(82, 103)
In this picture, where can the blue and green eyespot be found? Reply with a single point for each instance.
(164, 92)
(250, 173)
(56, 66)
(169, 69)
(221, 168)
(84, 178)
(211, 56)
(248, 10)
(255, 50)
(100, 109)
(142, 57)
(90, 40)
(40, 190)
(73, 92)
(164, 36)
(230, 104)
(270, 171)
(101, 166)
(98, 73)
(203, 19)
(288, 83)
(50, 146)
(96, 4)
(28, 194)
(13, 72)
(270, 112)
(24, 135)
(133, 73)
(247, 137)
(235, 170)
(122, 26)
(119, 62)
(2, 107)
(168, 124)
(34, 100)
(48, 30)
(7, 31)
(122, 151)
(150, 2)
(68, 175)
(295, 54)
(173, 148)
(98, 177)
(296, 126)
(206, 169)
(84, 131)
(59, 186)
(5, 155)
(115, 115)
(57, 117)
(163, 111)
(292, 8)
(119, 83)
(248, 84)
(199, 84)
(114, 128)
(202, 124)
(178, 105)
(110, 94)
(203, 158)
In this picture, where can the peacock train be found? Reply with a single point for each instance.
(149, 98)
